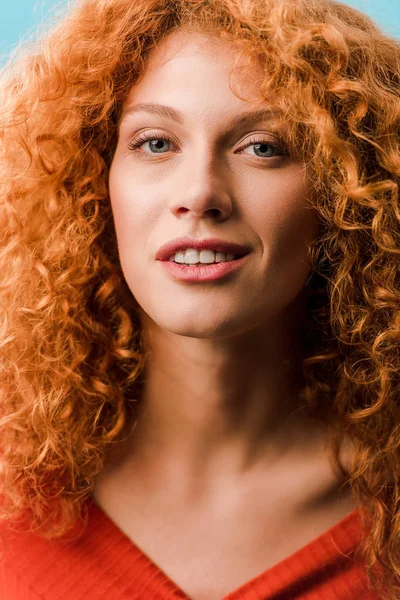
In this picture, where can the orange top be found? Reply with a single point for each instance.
(104, 564)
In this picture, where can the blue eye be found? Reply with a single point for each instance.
(149, 137)
(156, 145)
(267, 146)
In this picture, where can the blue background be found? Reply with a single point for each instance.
(21, 18)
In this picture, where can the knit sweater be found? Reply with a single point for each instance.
(104, 564)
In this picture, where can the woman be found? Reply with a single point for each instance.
(200, 333)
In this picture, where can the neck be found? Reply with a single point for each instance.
(212, 406)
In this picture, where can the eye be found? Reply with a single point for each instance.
(266, 148)
(134, 145)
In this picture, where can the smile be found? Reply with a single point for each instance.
(199, 272)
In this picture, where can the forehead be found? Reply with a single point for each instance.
(199, 73)
(189, 44)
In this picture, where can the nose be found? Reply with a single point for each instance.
(202, 189)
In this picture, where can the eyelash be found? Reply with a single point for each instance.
(147, 136)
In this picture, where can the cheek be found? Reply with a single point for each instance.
(286, 225)
(287, 222)
(133, 221)
(296, 226)
(134, 212)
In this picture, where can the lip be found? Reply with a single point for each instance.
(170, 248)
(205, 272)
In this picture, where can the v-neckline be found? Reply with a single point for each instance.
(339, 538)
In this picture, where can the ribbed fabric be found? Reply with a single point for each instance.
(104, 564)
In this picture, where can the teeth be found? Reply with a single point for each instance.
(192, 257)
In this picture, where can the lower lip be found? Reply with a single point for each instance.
(203, 273)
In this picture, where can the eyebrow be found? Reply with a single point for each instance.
(243, 119)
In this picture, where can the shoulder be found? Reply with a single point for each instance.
(15, 567)
(30, 563)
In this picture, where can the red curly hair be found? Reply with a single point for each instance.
(71, 352)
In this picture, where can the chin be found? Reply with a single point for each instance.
(195, 323)
(196, 327)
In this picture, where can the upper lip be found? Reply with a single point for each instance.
(170, 248)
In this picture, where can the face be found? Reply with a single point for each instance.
(208, 175)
